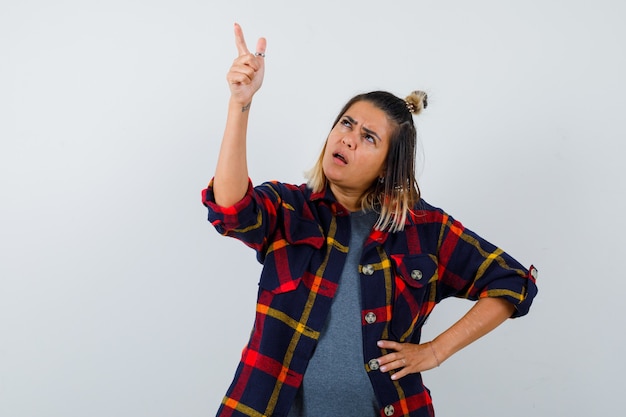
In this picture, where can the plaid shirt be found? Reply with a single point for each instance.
(301, 238)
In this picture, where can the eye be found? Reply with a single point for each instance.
(346, 122)
(369, 138)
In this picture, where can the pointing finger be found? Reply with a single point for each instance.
(242, 49)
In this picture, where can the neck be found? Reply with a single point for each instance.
(350, 199)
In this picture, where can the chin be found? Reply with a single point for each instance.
(331, 176)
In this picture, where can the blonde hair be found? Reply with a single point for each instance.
(396, 193)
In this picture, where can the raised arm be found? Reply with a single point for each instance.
(244, 79)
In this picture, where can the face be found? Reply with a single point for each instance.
(356, 149)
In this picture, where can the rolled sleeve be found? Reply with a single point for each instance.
(474, 268)
(225, 219)
(513, 283)
(247, 220)
(528, 292)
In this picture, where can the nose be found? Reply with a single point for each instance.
(348, 141)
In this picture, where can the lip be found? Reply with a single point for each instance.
(340, 158)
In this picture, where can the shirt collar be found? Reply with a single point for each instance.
(323, 194)
(326, 194)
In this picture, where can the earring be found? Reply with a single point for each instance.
(381, 180)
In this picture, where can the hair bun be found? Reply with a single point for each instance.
(416, 101)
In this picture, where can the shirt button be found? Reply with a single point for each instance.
(416, 274)
(374, 365)
(368, 269)
(370, 318)
(389, 410)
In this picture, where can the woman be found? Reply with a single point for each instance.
(354, 261)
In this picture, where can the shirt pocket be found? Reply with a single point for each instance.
(413, 275)
(289, 256)
(416, 271)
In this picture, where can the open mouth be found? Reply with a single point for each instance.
(340, 157)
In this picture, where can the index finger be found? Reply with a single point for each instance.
(242, 49)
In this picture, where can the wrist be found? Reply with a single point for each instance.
(443, 347)
(434, 352)
(236, 103)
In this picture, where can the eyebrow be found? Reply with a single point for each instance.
(368, 131)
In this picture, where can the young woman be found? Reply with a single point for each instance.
(353, 261)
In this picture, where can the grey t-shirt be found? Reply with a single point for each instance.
(335, 382)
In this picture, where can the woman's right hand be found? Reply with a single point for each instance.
(246, 74)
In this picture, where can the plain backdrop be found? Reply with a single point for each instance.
(118, 298)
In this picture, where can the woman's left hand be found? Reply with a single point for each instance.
(407, 358)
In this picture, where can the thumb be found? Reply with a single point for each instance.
(261, 45)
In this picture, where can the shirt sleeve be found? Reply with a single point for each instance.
(473, 268)
(250, 220)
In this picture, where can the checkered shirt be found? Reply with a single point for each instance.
(301, 238)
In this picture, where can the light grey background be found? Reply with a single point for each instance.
(117, 298)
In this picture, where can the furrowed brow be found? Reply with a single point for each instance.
(371, 132)
(350, 119)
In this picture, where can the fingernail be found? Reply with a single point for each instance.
(379, 343)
